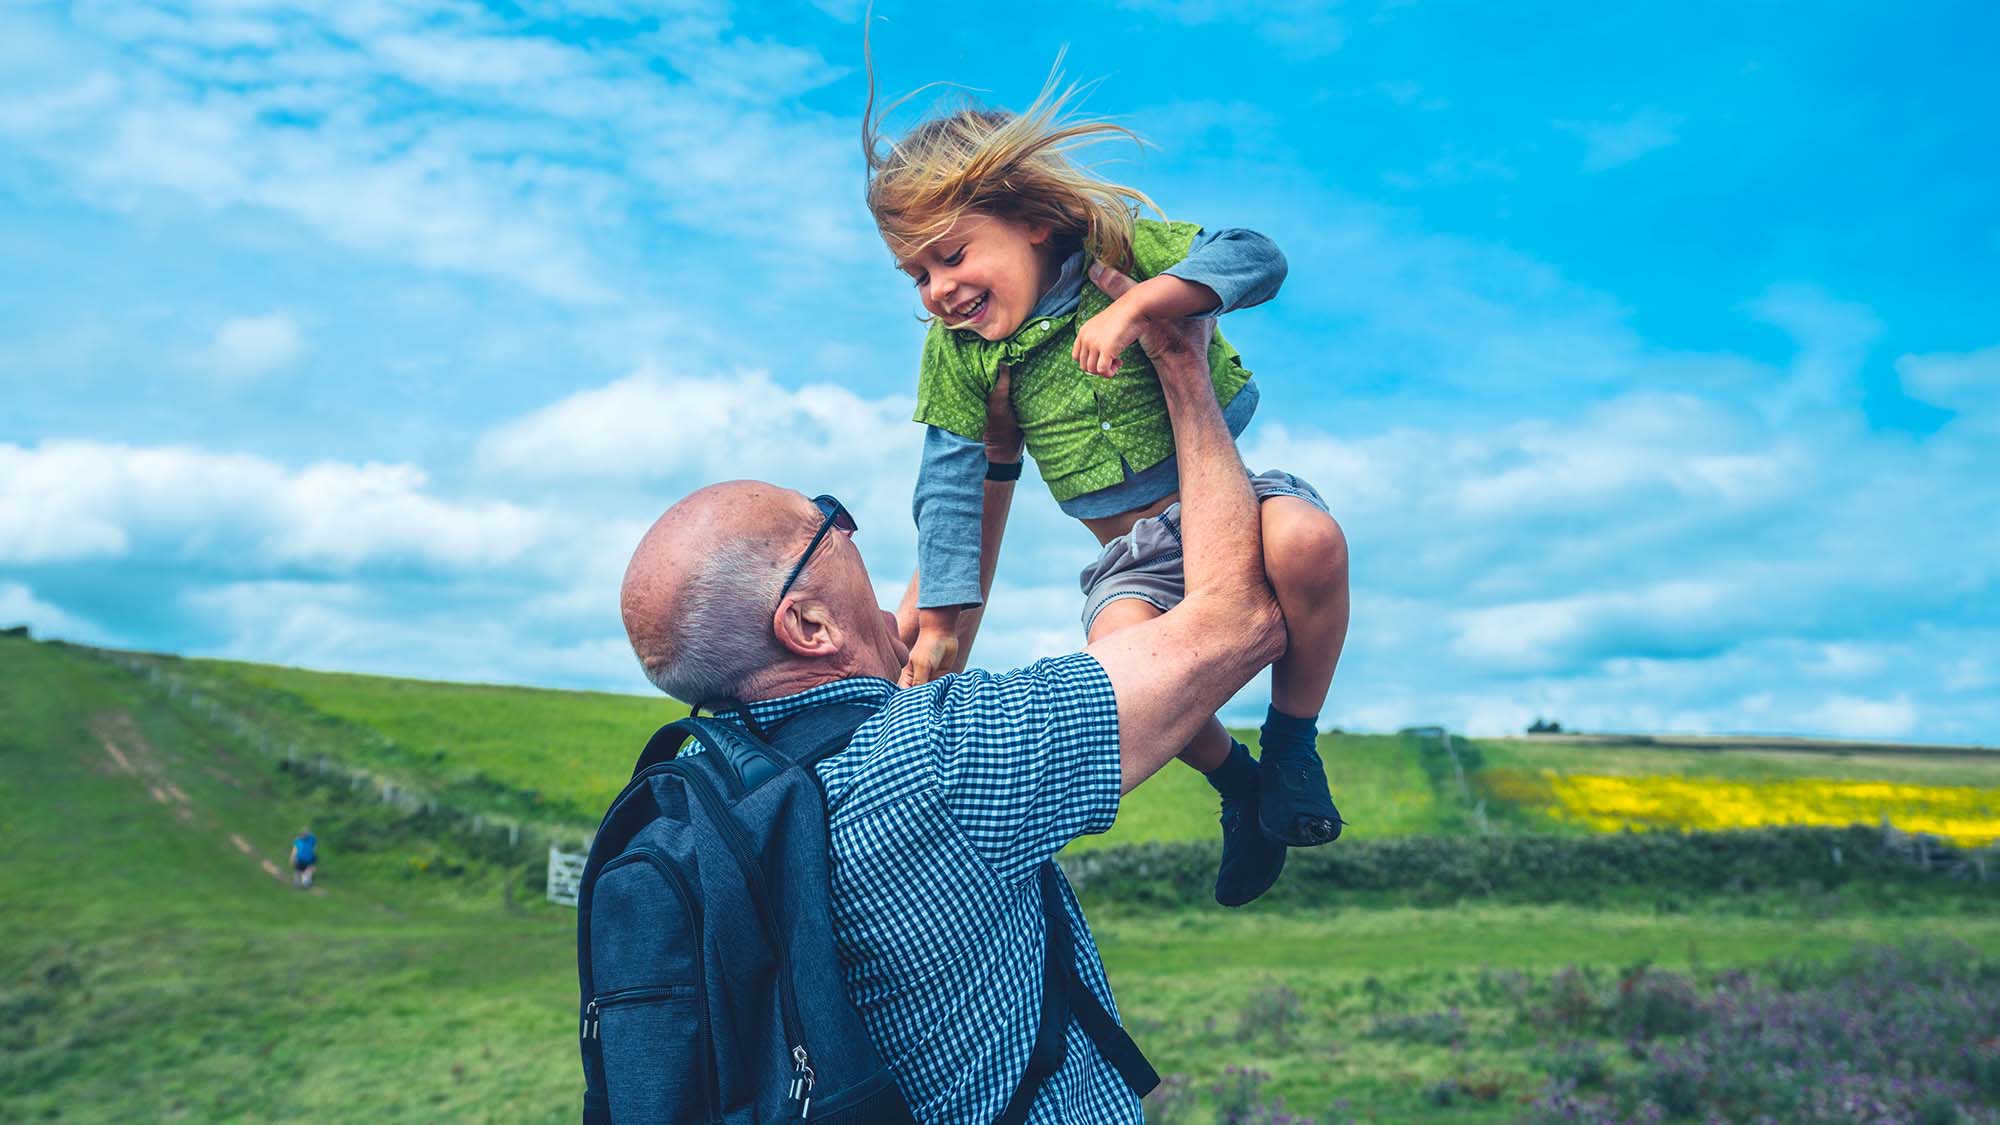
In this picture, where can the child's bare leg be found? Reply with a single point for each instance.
(1250, 861)
(1305, 557)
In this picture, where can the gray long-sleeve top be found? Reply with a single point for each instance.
(1243, 267)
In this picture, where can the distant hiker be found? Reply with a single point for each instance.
(305, 857)
(945, 809)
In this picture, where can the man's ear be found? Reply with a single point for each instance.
(805, 628)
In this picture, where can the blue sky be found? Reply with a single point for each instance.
(1650, 357)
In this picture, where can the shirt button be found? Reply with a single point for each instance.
(1105, 426)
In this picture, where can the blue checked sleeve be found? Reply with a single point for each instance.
(1028, 761)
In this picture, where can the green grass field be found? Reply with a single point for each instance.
(1740, 764)
(151, 967)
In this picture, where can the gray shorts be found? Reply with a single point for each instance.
(1145, 562)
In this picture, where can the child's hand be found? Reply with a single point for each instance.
(932, 656)
(1101, 341)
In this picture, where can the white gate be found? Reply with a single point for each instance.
(565, 875)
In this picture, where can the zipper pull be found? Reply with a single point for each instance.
(802, 1082)
(589, 1028)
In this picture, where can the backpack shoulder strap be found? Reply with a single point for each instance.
(738, 746)
(1064, 994)
(806, 738)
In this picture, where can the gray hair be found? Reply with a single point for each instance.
(721, 637)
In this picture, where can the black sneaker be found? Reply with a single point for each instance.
(1294, 800)
(1250, 862)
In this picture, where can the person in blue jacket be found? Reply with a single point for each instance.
(305, 857)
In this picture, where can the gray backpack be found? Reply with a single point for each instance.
(710, 987)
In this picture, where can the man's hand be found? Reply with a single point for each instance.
(1170, 342)
(1102, 340)
(933, 655)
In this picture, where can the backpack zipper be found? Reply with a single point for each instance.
(800, 1090)
(639, 995)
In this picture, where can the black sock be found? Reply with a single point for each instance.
(1237, 775)
(1287, 734)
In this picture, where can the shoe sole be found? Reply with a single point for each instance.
(1303, 831)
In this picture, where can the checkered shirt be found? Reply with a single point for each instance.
(940, 811)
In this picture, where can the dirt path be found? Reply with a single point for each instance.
(131, 755)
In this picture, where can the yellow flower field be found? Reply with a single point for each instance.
(1965, 815)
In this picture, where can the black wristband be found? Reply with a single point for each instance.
(1003, 470)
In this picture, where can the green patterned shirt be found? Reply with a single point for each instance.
(1078, 426)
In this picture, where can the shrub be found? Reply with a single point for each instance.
(1465, 1088)
(1529, 868)
(1271, 1011)
(1887, 1035)
(1239, 1100)
(1438, 1029)
(1572, 1002)
(1240, 1091)
(1651, 1004)
(1580, 1065)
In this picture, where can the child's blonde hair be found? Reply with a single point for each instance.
(972, 160)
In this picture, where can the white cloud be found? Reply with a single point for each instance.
(1610, 144)
(1850, 716)
(250, 347)
(67, 500)
(59, 108)
(1844, 661)
(1834, 337)
(453, 140)
(1967, 674)
(1540, 634)
(655, 426)
(20, 606)
(1667, 444)
(352, 627)
(1967, 382)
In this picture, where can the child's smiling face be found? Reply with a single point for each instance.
(983, 273)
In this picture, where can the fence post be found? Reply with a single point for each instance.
(565, 875)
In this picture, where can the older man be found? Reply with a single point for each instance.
(946, 804)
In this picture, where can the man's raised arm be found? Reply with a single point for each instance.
(1173, 672)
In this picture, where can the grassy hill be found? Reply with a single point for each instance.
(553, 759)
(153, 966)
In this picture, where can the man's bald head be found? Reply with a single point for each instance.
(702, 586)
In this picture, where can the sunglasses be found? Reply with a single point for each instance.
(837, 518)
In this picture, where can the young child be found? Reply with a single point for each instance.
(987, 214)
